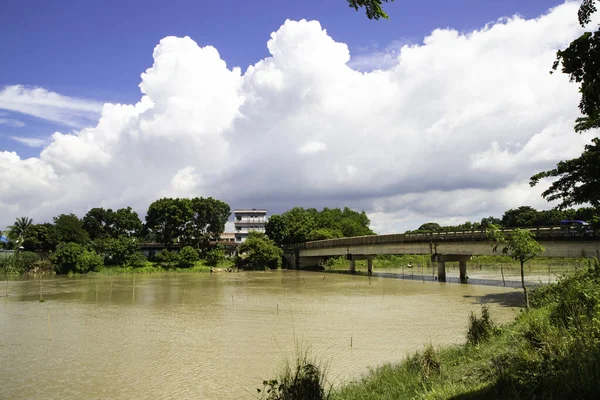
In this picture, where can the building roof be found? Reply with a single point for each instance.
(246, 210)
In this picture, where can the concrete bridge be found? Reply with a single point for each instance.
(460, 246)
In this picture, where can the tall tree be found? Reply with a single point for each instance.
(126, 222)
(373, 8)
(69, 228)
(19, 229)
(578, 180)
(98, 222)
(207, 222)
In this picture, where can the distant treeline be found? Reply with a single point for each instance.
(107, 237)
(524, 216)
(304, 224)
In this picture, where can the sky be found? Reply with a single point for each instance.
(441, 113)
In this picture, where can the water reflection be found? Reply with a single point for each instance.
(217, 335)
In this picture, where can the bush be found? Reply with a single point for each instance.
(304, 380)
(188, 257)
(259, 252)
(215, 256)
(88, 261)
(73, 257)
(25, 260)
(166, 258)
(137, 260)
(116, 251)
(480, 329)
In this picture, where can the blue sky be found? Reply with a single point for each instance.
(451, 132)
(97, 49)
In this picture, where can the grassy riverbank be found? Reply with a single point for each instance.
(152, 267)
(551, 351)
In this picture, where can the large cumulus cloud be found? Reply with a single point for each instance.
(452, 130)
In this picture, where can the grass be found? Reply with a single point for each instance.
(152, 267)
(481, 263)
(551, 351)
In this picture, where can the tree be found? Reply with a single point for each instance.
(215, 256)
(276, 229)
(126, 222)
(116, 251)
(522, 246)
(187, 257)
(259, 252)
(430, 226)
(168, 217)
(73, 257)
(69, 228)
(19, 229)
(97, 222)
(373, 8)
(207, 222)
(167, 258)
(579, 179)
(40, 237)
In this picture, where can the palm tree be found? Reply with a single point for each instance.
(19, 229)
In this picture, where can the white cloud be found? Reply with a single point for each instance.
(50, 106)
(450, 131)
(312, 148)
(30, 142)
(12, 122)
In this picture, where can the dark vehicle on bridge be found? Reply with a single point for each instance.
(575, 227)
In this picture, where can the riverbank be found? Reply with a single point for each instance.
(551, 351)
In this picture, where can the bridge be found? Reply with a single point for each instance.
(459, 246)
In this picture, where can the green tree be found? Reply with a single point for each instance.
(187, 257)
(430, 226)
(69, 228)
(578, 180)
(73, 257)
(166, 258)
(126, 222)
(40, 237)
(207, 222)
(373, 8)
(116, 251)
(276, 229)
(259, 252)
(215, 256)
(137, 260)
(19, 229)
(97, 222)
(324, 233)
(168, 219)
(522, 246)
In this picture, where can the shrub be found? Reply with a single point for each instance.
(88, 261)
(188, 257)
(480, 329)
(73, 257)
(25, 260)
(166, 258)
(215, 256)
(116, 251)
(66, 256)
(137, 260)
(304, 380)
(259, 252)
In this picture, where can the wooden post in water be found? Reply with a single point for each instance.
(183, 299)
(111, 285)
(133, 291)
(49, 331)
(232, 303)
(41, 298)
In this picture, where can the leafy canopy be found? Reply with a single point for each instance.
(578, 180)
(373, 8)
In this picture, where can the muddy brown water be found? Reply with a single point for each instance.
(217, 336)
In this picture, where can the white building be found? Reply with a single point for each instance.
(248, 220)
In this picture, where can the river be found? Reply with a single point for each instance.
(217, 336)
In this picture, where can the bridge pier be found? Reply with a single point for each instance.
(369, 267)
(352, 266)
(354, 257)
(462, 266)
(443, 258)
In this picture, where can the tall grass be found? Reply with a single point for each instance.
(551, 351)
(305, 379)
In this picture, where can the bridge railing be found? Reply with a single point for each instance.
(539, 232)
